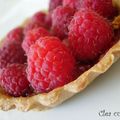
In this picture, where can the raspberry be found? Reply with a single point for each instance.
(11, 53)
(103, 7)
(15, 35)
(13, 79)
(61, 18)
(75, 4)
(50, 65)
(54, 4)
(37, 20)
(32, 36)
(89, 35)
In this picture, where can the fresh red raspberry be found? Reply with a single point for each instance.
(32, 36)
(15, 35)
(50, 65)
(11, 53)
(61, 18)
(13, 79)
(75, 4)
(54, 4)
(37, 20)
(103, 7)
(89, 35)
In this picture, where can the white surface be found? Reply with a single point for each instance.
(103, 93)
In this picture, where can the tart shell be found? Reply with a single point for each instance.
(57, 96)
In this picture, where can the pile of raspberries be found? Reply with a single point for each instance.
(54, 48)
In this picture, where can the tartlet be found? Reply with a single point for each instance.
(59, 95)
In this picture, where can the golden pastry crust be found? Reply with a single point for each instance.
(59, 95)
(116, 23)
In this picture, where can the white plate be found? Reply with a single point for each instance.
(102, 94)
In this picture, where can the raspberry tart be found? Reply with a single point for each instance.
(55, 55)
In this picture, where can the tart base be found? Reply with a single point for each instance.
(49, 100)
